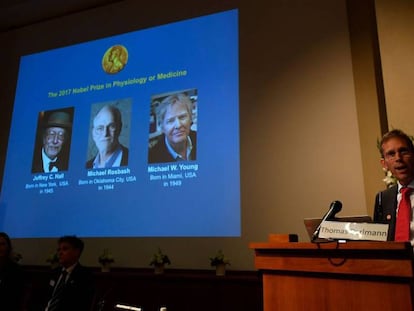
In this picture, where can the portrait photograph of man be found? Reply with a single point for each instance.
(109, 134)
(53, 140)
(173, 127)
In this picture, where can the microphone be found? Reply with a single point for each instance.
(335, 208)
(102, 302)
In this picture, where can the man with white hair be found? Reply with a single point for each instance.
(178, 141)
(107, 126)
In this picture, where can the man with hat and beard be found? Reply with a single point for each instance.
(53, 154)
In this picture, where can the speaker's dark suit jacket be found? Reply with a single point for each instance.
(78, 292)
(124, 159)
(385, 209)
(160, 154)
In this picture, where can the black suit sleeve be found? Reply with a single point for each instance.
(385, 209)
(378, 212)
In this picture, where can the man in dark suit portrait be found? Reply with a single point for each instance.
(71, 285)
(52, 155)
(107, 126)
(177, 141)
(397, 156)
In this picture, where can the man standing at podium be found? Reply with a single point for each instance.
(394, 205)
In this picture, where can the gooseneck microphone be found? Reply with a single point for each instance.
(335, 208)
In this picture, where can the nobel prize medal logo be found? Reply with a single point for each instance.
(115, 59)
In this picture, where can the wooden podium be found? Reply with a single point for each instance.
(348, 276)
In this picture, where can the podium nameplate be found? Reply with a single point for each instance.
(353, 231)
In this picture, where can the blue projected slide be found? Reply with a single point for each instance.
(135, 135)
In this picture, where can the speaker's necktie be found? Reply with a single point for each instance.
(402, 229)
(58, 292)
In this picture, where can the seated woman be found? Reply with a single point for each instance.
(11, 277)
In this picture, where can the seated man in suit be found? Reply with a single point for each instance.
(71, 285)
(52, 156)
(397, 156)
(107, 126)
(178, 141)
